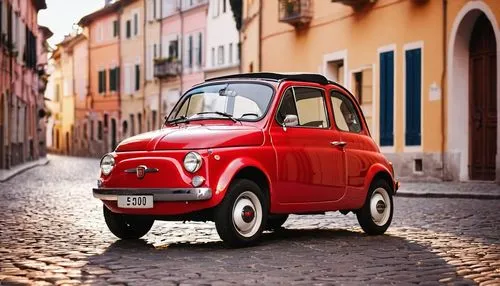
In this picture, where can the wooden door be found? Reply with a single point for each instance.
(482, 101)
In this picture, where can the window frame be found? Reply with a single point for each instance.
(323, 90)
(356, 108)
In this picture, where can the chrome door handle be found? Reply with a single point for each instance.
(338, 143)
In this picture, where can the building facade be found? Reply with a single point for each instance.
(103, 30)
(424, 73)
(152, 38)
(182, 57)
(132, 62)
(21, 100)
(223, 38)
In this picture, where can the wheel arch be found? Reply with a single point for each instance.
(379, 172)
(244, 168)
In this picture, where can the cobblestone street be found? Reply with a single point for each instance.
(52, 232)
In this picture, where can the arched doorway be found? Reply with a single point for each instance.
(473, 139)
(482, 101)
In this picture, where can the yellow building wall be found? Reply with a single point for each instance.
(336, 27)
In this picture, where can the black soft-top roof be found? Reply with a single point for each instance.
(306, 77)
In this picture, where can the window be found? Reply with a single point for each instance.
(308, 104)
(132, 125)
(137, 77)
(220, 56)
(153, 119)
(345, 114)
(91, 129)
(246, 101)
(99, 130)
(155, 9)
(106, 121)
(139, 122)
(155, 51)
(128, 32)
(358, 87)
(114, 79)
(224, 6)
(199, 55)
(190, 51)
(173, 49)
(124, 127)
(116, 28)
(215, 8)
(213, 57)
(136, 24)
(102, 81)
(230, 53)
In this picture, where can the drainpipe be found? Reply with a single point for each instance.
(160, 46)
(120, 64)
(144, 119)
(260, 35)
(89, 85)
(443, 93)
(182, 45)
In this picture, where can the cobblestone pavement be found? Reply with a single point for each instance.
(52, 232)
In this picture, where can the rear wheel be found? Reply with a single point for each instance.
(275, 222)
(127, 226)
(376, 215)
(241, 216)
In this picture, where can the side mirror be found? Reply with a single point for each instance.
(290, 120)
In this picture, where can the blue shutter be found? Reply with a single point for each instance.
(387, 99)
(413, 96)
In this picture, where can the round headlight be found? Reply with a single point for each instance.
(107, 164)
(192, 162)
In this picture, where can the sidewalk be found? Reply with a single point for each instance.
(466, 190)
(7, 174)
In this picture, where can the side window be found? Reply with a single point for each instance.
(308, 104)
(287, 106)
(344, 112)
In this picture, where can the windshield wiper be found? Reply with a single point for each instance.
(221, 114)
(180, 119)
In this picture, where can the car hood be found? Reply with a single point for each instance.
(193, 137)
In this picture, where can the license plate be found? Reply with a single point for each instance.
(135, 202)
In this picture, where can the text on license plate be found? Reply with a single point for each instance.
(135, 202)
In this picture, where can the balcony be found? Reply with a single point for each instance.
(295, 12)
(167, 67)
(355, 4)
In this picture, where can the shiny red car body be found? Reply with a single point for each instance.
(299, 170)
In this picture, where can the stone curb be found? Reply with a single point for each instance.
(22, 169)
(449, 195)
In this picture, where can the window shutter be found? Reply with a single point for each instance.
(413, 97)
(200, 49)
(137, 77)
(104, 80)
(387, 99)
(117, 79)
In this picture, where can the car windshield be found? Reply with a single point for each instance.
(234, 101)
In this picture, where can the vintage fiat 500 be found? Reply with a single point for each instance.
(246, 151)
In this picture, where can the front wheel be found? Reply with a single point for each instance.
(127, 226)
(376, 215)
(241, 216)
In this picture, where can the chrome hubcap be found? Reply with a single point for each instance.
(247, 214)
(380, 206)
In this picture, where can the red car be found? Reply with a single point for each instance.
(246, 151)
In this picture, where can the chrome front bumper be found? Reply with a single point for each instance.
(159, 195)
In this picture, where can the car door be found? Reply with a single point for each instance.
(309, 167)
(354, 136)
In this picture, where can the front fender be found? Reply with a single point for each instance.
(233, 168)
(373, 171)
